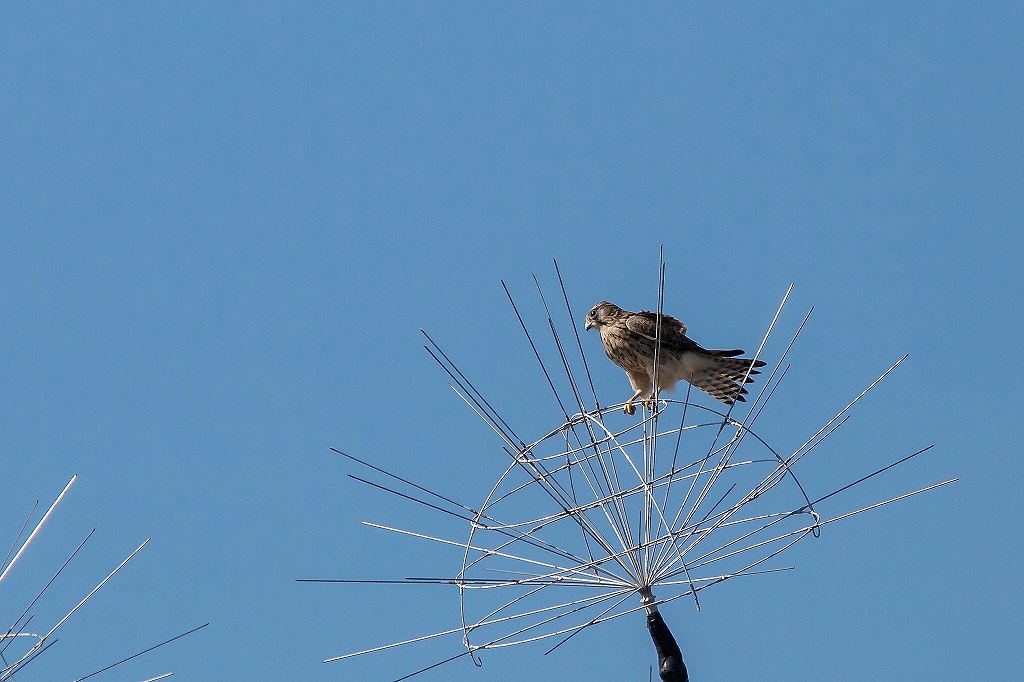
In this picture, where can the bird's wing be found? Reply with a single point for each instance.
(645, 323)
(673, 332)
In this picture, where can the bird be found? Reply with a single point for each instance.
(630, 340)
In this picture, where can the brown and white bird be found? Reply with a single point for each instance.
(629, 340)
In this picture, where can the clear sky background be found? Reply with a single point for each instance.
(222, 226)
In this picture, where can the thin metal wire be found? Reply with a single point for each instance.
(39, 527)
(17, 539)
(536, 352)
(144, 651)
(579, 341)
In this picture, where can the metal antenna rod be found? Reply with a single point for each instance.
(38, 527)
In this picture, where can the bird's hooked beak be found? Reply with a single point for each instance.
(588, 325)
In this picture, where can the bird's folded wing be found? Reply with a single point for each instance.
(673, 332)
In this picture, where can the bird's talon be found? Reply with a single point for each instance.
(629, 409)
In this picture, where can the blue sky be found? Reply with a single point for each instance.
(221, 229)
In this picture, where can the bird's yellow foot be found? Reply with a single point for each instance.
(628, 408)
(651, 404)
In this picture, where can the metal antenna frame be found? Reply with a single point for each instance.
(18, 632)
(588, 517)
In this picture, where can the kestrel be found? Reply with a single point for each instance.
(629, 341)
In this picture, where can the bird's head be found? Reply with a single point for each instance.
(601, 314)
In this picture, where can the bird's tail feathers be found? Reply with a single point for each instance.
(733, 353)
(732, 365)
(725, 379)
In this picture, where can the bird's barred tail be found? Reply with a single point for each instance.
(723, 380)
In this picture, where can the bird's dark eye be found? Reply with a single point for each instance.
(593, 314)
